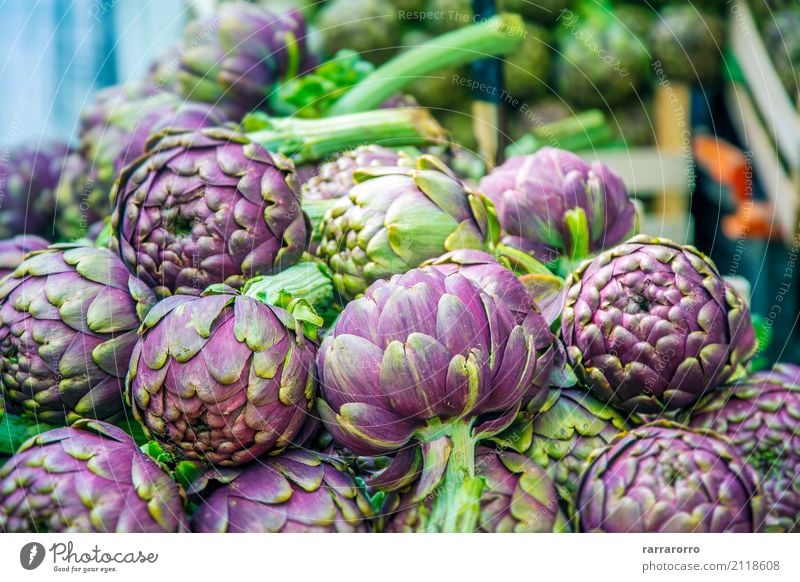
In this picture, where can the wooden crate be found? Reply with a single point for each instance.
(766, 119)
(661, 177)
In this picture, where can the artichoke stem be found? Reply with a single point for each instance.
(456, 507)
(498, 35)
(312, 140)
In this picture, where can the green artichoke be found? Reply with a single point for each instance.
(369, 27)
(296, 492)
(566, 431)
(518, 497)
(222, 378)
(651, 326)
(664, 478)
(526, 71)
(689, 44)
(600, 62)
(90, 477)
(537, 10)
(393, 219)
(761, 417)
(68, 321)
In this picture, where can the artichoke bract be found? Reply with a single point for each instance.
(13, 251)
(570, 426)
(664, 478)
(29, 175)
(235, 57)
(207, 207)
(761, 415)
(296, 492)
(519, 498)
(414, 363)
(553, 203)
(222, 378)
(335, 178)
(393, 219)
(87, 478)
(68, 321)
(651, 326)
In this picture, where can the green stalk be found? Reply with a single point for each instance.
(456, 507)
(496, 36)
(311, 140)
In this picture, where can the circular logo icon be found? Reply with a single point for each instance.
(31, 555)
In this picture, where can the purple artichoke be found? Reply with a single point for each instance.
(761, 417)
(236, 57)
(663, 478)
(90, 477)
(393, 219)
(28, 179)
(207, 207)
(426, 347)
(552, 203)
(68, 321)
(519, 498)
(13, 251)
(409, 367)
(651, 326)
(113, 132)
(222, 378)
(296, 492)
(484, 270)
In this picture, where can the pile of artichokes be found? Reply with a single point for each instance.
(270, 329)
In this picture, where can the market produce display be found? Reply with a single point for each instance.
(284, 294)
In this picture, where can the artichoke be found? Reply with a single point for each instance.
(663, 478)
(296, 492)
(335, 178)
(416, 361)
(600, 62)
(526, 71)
(570, 426)
(651, 326)
(68, 321)
(393, 219)
(519, 497)
(28, 179)
(553, 204)
(236, 57)
(761, 417)
(81, 200)
(370, 28)
(90, 477)
(688, 43)
(207, 207)
(537, 10)
(13, 251)
(222, 378)
(492, 277)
